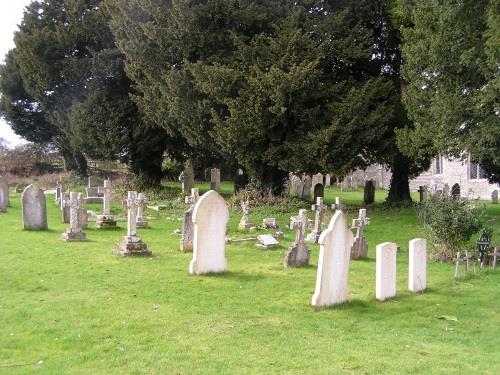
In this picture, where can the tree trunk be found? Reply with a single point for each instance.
(399, 191)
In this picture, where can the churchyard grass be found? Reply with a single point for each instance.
(78, 308)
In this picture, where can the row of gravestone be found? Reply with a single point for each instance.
(455, 192)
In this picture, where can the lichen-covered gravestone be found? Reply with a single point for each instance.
(298, 254)
(4, 195)
(417, 272)
(34, 208)
(333, 264)
(306, 190)
(74, 232)
(210, 217)
(187, 224)
(215, 179)
(386, 271)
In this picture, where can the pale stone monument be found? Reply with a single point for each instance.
(360, 246)
(186, 177)
(106, 220)
(267, 241)
(132, 244)
(494, 197)
(318, 208)
(298, 254)
(141, 220)
(34, 208)
(417, 273)
(333, 264)
(386, 271)
(74, 232)
(4, 195)
(83, 217)
(187, 224)
(328, 180)
(210, 217)
(244, 223)
(65, 207)
(215, 179)
(338, 205)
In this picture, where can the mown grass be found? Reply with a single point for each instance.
(78, 308)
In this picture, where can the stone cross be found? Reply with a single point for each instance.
(74, 232)
(318, 208)
(417, 270)
(298, 253)
(34, 208)
(338, 205)
(333, 264)
(131, 205)
(186, 242)
(141, 220)
(245, 220)
(106, 193)
(360, 246)
(386, 271)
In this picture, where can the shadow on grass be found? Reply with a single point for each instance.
(241, 276)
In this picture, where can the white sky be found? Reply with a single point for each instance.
(11, 14)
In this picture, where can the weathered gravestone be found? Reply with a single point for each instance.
(318, 187)
(141, 220)
(483, 244)
(306, 190)
(318, 208)
(83, 217)
(328, 180)
(386, 271)
(34, 208)
(186, 177)
(210, 217)
(360, 246)
(266, 241)
(215, 179)
(132, 244)
(446, 190)
(422, 191)
(65, 207)
(4, 195)
(417, 272)
(455, 191)
(245, 223)
(333, 264)
(106, 220)
(298, 254)
(74, 232)
(494, 197)
(369, 193)
(187, 224)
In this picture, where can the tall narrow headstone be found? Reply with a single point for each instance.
(34, 208)
(210, 217)
(494, 197)
(328, 180)
(306, 191)
(141, 220)
(106, 220)
(186, 177)
(4, 195)
(360, 246)
(298, 253)
(369, 193)
(215, 179)
(333, 264)
(65, 207)
(74, 232)
(386, 271)
(422, 191)
(417, 273)
(83, 217)
(318, 208)
(132, 244)
(187, 224)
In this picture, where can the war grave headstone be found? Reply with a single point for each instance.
(74, 232)
(215, 179)
(455, 191)
(245, 224)
(4, 194)
(34, 208)
(318, 208)
(386, 271)
(360, 246)
(132, 244)
(298, 254)
(210, 217)
(141, 220)
(494, 197)
(369, 193)
(106, 220)
(417, 267)
(333, 264)
(186, 243)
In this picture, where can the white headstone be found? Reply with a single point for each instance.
(4, 194)
(34, 208)
(210, 217)
(333, 265)
(417, 274)
(267, 240)
(386, 271)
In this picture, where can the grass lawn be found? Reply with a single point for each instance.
(78, 308)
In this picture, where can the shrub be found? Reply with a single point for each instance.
(451, 223)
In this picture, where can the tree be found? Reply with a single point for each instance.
(451, 64)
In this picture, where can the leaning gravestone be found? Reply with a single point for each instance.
(187, 224)
(74, 232)
(417, 273)
(298, 254)
(210, 217)
(215, 179)
(386, 271)
(34, 208)
(494, 197)
(333, 264)
(369, 193)
(4, 195)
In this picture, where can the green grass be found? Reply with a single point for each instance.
(78, 308)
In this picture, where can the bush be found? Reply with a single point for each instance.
(451, 223)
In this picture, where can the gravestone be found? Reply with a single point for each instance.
(215, 179)
(300, 188)
(106, 220)
(266, 241)
(186, 177)
(328, 180)
(34, 208)
(345, 184)
(494, 197)
(307, 185)
(318, 208)
(83, 217)
(333, 264)
(298, 253)
(244, 223)
(4, 195)
(369, 193)
(187, 224)
(132, 244)
(338, 205)
(483, 244)
(318, 187)
(417, 272)
(65, 207)
(386, 271)
(58, 195)
(455, 191)
(446, 190)
(270, 223)
(74, 232)
(422, 191)
(360, 246)
(210, 217)
(20, 187)
(141, 220)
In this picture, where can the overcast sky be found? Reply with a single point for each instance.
(11, 14)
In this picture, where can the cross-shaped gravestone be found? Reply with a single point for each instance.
(132, 244)
(298, 254)
(74, 232)
(106, 220)
(359, 248)
(338, 205)
(318, 208)
(187, 224)
(141, 220)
